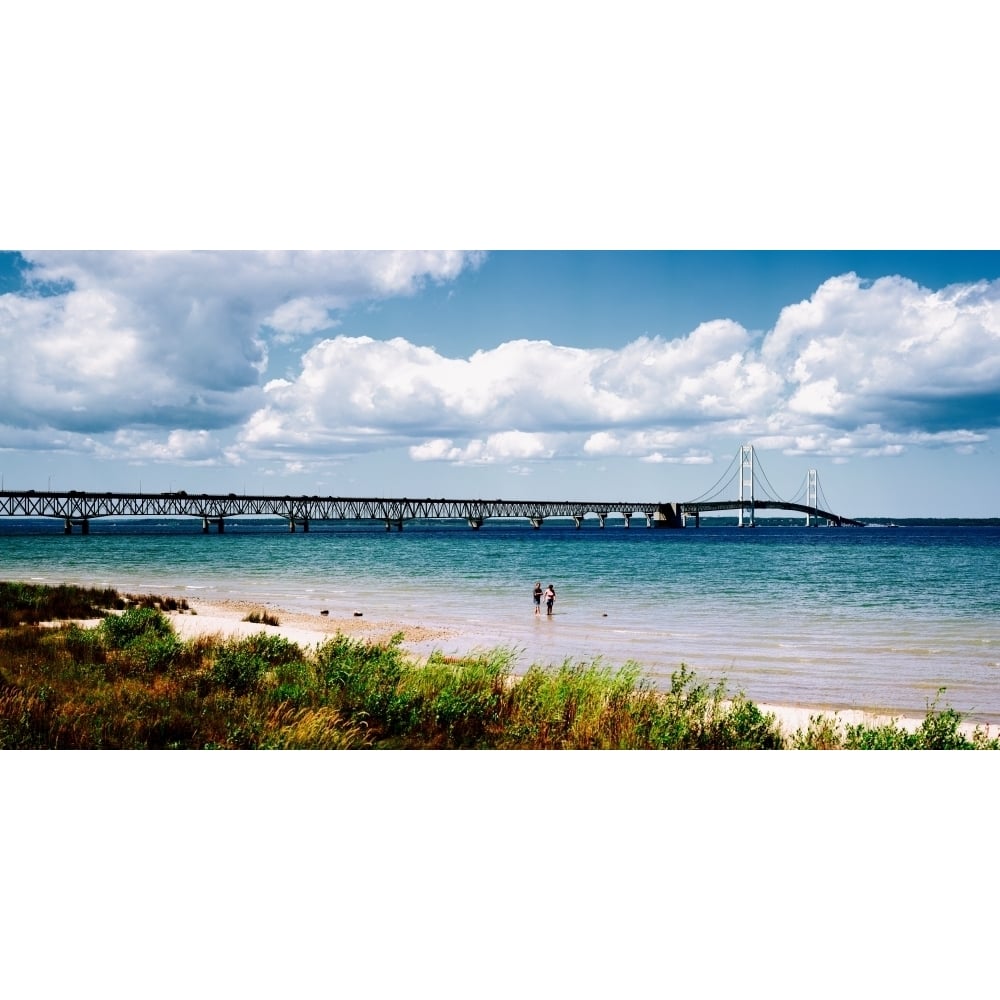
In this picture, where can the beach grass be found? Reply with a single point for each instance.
(129, 682)
(262, 618)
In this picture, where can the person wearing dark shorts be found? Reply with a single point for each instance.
(538, 597)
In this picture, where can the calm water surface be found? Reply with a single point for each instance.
(871, 618)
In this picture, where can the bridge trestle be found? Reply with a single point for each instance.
(80, 507)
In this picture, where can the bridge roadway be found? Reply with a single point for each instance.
(79, 508)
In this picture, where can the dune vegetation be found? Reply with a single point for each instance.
(129, 682)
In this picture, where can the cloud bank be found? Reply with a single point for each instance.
(165, 357)
(858, 369)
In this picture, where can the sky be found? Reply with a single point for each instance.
(632, 375)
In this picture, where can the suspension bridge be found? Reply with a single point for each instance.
(77, 508)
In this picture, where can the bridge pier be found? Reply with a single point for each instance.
(303, 521)
(206, 521)
(668, 515)
(536, 521)
(390, 522)
(578, 521)
(476, 523)
(627, 514)
(83, 522)
(602, 516)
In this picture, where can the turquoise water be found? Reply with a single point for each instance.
(870, 618)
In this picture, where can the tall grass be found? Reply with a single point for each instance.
(29, 603)
(262, 618)
(131, 683)
(26, 603)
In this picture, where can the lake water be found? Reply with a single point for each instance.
(866, 618)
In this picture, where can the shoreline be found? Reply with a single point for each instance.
(225, 617)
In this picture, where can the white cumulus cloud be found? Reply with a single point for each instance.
(858, 369)
(104, 343)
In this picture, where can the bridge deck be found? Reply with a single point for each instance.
(77, 506)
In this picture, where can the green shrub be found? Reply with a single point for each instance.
(940, 729)
(361, 678)
(822, 733)
(144, 638)
(121, 630)
(461, 704)
(240, 664)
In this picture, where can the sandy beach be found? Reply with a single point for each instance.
(226, 618)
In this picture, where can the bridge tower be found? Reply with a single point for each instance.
(812, 497)
(746, 486)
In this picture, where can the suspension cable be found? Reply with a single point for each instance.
(776, 495)
(821, 495)
(715, 489)
(800, 493)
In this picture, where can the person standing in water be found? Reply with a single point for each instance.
(550, 599)
(538, 597)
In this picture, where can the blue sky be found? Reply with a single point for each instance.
(515, 374)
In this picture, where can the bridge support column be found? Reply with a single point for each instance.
(68, 527)
(391, 522)
(291, 525)
(668, 515)
(628, 517)
(602, 516)
(475, 523)
(536, 521)
(85, 526)
(578, 521)
(222, 525)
